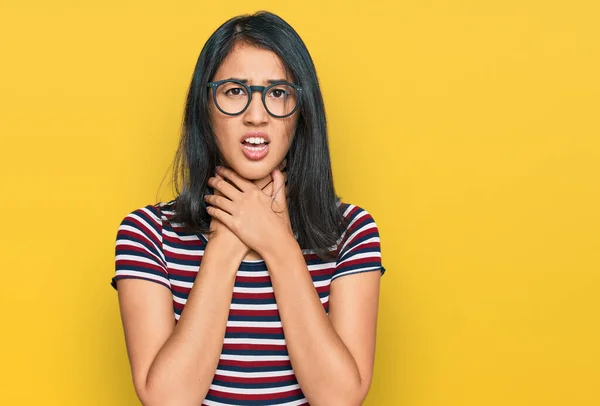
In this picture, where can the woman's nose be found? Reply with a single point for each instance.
(256, 112)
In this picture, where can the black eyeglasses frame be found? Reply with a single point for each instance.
(251, 89)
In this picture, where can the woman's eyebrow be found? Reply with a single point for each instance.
(268, 80)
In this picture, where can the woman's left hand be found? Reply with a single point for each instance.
(259, 220)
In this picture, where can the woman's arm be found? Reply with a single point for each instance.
(174, 364)
(332, 356)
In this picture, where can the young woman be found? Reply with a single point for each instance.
(256, 285)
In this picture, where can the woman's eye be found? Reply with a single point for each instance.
(278, 93)
(235, 91)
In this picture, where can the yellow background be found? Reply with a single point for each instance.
(469, 129)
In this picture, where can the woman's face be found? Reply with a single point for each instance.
(258, 66)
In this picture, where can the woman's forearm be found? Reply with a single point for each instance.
(325, 369)
(184, 367)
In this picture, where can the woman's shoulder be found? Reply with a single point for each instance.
(139, 246)
(359, 246)
(151, 215)
(353, 214)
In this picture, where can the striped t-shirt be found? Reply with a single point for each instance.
(254, 367)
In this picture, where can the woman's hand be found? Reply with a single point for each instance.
(258, 218)
(224, 240)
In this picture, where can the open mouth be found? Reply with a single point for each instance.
(255, 147)
(255, 142)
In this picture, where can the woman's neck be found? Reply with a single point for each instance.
(261, 183)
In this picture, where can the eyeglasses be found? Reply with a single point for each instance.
(232, 97)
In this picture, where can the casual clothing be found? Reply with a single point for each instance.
(254, 366)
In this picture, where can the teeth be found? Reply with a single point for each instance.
(255, 140)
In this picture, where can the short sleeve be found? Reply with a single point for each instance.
(138, 248)
(360, 245)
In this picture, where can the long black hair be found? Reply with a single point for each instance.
(313, 205)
